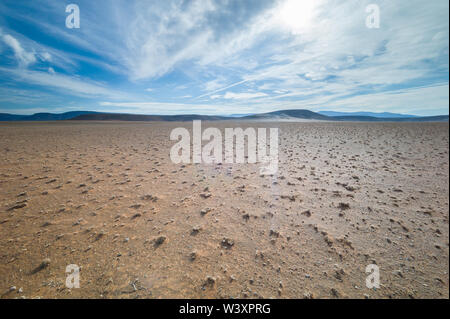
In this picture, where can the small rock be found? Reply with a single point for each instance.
(343, 206)
(307, 213)
(193, 256)
(205, 211)
(43, 264)
(210, 281)
(159, 241)
(227, 243)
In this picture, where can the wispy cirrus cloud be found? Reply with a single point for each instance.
(67, 84)
(243, 96)
(23, 57)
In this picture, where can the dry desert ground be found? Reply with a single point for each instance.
(106, 197)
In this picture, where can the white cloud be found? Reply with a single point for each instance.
(220, 89)
(23, 57)
(241, 96)
(45, 56)
(413, 101)
(69, 85)
(162, 108)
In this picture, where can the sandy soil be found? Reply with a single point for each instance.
(106, 196)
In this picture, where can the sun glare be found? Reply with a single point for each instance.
(297, 15)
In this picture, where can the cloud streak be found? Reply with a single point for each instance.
(23, 57)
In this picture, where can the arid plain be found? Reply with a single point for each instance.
(106, 197)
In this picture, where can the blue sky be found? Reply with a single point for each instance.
(224, 57)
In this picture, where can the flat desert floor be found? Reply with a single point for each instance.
(105, 196)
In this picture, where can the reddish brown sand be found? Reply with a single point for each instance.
(104, 195)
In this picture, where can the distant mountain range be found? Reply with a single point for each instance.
(276, 115)
(43, 116)
(372, 114)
